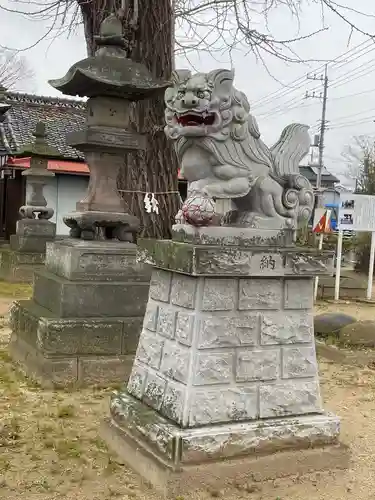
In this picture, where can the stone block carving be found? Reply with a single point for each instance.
(184, 327)
(214, 368)
(257, 365)
(150, 349)
(298, 294)
(137, 380)
(172, 405)
(183, 291)
(286, 327)
(151, 316)
(160, 285)
(219, 294)
(299, 362)
(175, 362)
(260, 294)
(223, 405)
(261, 341)
(154, 390)
(289, 398)
(241, 329)
(166, 322)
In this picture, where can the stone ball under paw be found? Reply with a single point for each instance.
(199, 211)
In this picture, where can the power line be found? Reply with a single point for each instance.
(337, 121)
(283, 108)
(338, 82)
(355, 57)
(352, 123)
(361, 74)
(296, 84)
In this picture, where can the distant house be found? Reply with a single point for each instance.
(329, 183)
(19, 114)
(311, 173)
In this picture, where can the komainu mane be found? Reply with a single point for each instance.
(222, 156)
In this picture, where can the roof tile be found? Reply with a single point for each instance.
(61, 116)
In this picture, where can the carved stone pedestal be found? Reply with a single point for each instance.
(26, 251)
(225, 369)
(81, 326)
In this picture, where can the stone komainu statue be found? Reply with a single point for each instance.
(222, 156)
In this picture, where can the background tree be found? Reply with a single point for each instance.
(149, 38)
(154, 29)
(360, 157)
(14, 70)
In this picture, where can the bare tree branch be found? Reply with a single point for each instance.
(214, 26)
(14, 70)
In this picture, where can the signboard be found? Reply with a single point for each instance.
(356, 212)
(322, 221)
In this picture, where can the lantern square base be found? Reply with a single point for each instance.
(81, 326)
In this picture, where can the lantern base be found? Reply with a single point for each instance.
(95, 225)
(82, 324)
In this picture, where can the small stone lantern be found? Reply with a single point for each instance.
(112, 82)
(35, 229)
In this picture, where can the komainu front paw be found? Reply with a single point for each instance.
(180, 219)
(230, 218)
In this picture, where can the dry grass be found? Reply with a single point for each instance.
(14, 290)
(50, 448)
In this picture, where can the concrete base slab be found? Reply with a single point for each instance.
(171, 480)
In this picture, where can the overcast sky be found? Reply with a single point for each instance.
(351, 94)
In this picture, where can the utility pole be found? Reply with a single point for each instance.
(323, 122)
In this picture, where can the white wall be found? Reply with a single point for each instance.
(71, 188)
(62, 193)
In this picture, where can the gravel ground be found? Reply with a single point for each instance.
(50, 449)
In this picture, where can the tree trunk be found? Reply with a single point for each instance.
(153, 171)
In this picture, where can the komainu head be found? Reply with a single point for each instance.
(205, 105)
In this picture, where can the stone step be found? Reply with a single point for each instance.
(82, 299)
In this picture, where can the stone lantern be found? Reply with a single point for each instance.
(35, 213)
(111, 82)
(27, 248)
(92, 294)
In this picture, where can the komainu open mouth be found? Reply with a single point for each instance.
(195, 119)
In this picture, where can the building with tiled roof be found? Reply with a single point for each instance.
(19, 114)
